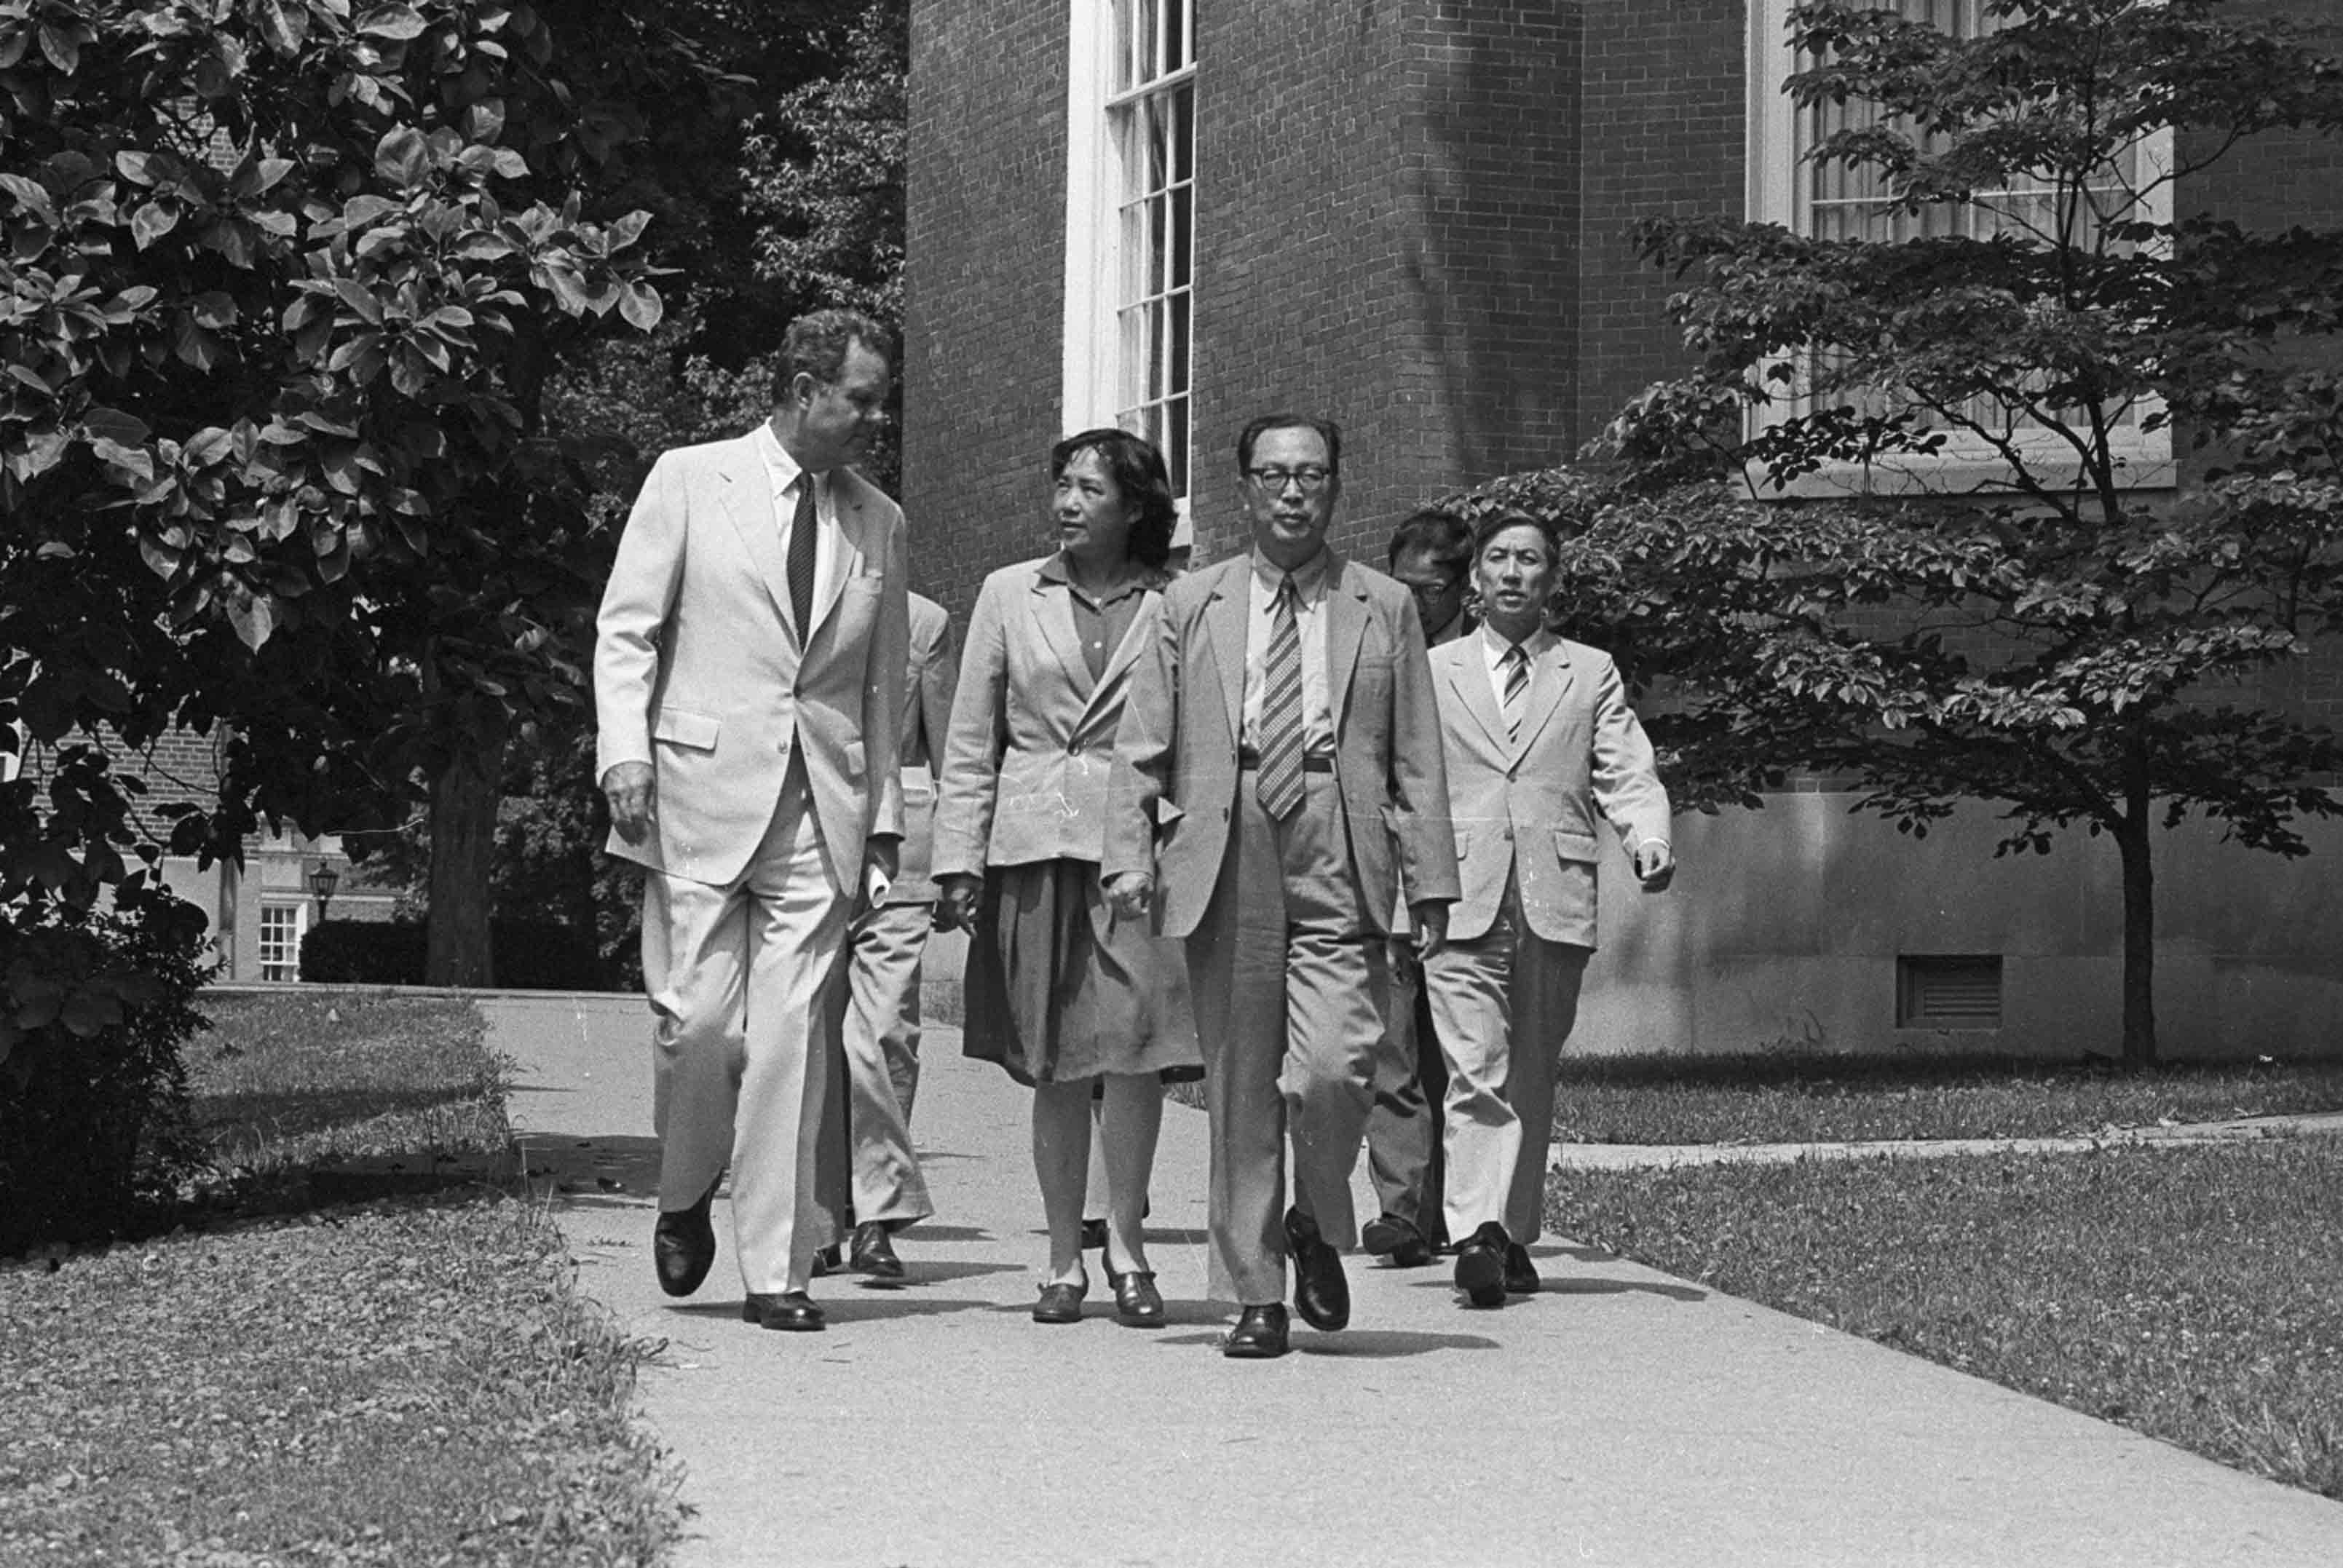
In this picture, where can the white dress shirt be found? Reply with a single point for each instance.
(1493, 646)
(1310, 620)
(786, 476)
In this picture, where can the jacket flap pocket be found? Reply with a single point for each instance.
(684, 728)
(1572, 844)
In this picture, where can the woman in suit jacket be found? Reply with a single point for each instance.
(1539, 741)
(1057, 991)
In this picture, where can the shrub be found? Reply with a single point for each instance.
(93, 1090)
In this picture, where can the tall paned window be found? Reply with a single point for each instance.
(1834, 202)
(1130, 222)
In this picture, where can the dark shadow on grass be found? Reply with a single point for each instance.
(226, 1120)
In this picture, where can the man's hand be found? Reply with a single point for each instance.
(881, 858)
(1655, 865)
(1129, 893)
(956, 901)
(631, 789)
(1431, 919)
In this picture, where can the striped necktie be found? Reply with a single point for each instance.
(1277, 784)
(1517, 690)
(802, 558)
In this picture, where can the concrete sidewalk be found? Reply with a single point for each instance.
(1623, 1417)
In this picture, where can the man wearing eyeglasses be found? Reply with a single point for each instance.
(1279, 781)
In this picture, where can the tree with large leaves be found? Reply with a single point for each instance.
(2039, 631)
(283, 284)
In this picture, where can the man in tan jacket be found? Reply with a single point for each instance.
(749, 674)
(1540, 745)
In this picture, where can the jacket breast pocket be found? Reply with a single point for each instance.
(681, 727)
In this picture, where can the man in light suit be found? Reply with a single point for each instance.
(749, 673)
(868, 1125)
(1279, 752)
(1430, 556)
(1539, 741)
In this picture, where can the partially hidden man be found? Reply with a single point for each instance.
(1278, 781)
(748, 677)
(866, 1153)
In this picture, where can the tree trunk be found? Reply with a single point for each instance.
(464, 797)
(2132, 838)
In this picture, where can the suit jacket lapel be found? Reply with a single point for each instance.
(1108, 692)
(846, 502)
(747, 498)
(1468, 678)
(1347, 625)
(1053, 610)
(1550, 679)
(1225, 619)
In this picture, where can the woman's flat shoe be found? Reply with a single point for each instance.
(1137, 1302)
(1061, 1304)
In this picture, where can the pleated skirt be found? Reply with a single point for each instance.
(1058, 989)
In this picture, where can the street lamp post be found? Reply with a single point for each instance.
(323, 880)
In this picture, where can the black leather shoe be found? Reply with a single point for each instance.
(826, 1260)
(683, 1245)
(1481, 1266)
(1061, 1304)
(792, 1311)
(1260, 1334)
(874, 1255)
(1320, 1294)
(1137, 1302)
(1388, 1236)
(1521, 1275)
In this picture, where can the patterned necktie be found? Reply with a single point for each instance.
(1277, 784)
(1517, 689)
(801, 541)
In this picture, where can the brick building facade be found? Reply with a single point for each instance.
(259, 911)
(1411, 215)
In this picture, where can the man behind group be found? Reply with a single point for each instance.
(867, 1127)
(1431, 554)
(1278, 745)
(1539, 742)
(749, 675)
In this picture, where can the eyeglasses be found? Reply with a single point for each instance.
(1438, 591)
(1274, 480)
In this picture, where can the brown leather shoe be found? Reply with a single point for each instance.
(1481, 1266)
(1260, 1334)
(792, 1311)
(873, 1253)
(683, 1244)
(1061, 1304)
(1320, 1294)
(1137, 1302)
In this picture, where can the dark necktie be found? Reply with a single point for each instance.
(1517, 689)
(801, 543)
(1277, 784)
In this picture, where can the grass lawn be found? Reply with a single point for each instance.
(400, 1382)
(2194, 1294)
(1801, 1098)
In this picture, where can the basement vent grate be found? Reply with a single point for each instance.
(1953, 991)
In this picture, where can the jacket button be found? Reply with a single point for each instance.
(1073, 749)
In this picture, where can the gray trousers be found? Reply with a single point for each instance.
(1293, 990)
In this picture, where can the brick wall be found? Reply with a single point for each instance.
(983, 297)
(1664, 132)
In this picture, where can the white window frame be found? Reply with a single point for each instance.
(1093, 371)
(1776, 193)
(260, 942)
